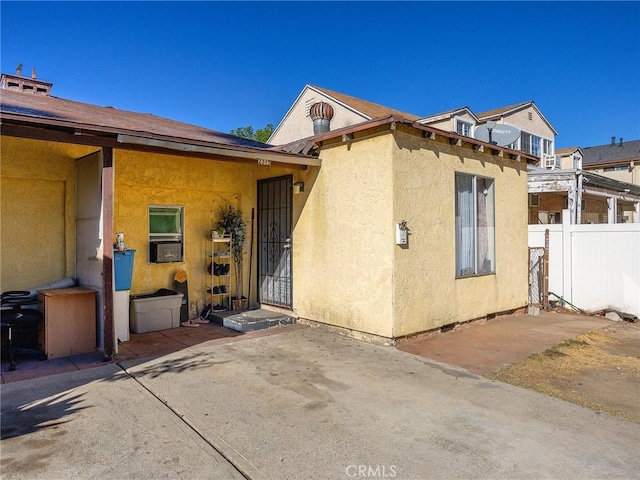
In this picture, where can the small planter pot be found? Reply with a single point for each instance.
(240, 305)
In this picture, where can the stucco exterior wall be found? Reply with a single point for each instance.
(297, 124)
(37, 211)
(201, 187)
(536, 126)
(426, 293)
(343, 248)
(348, 271)
(567, 162)
(626, 175)
(449, 124)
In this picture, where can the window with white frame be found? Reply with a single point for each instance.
(525, 142)
(475, 225)
(535, 145)
(577, 162)
(463, 128)
(547, 147)
(166, 227)
(532, 143)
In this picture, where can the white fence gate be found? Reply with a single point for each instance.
(593, 266)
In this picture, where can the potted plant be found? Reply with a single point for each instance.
(233, 224)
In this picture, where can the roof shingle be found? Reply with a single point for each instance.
(372, 110)
(88, 117)
(621, 151)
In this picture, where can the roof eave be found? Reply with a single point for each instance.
(339, 102)
(346, 133)
(448, 114)
(515, 109)
(72, 132)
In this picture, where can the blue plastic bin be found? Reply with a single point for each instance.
(123, 268)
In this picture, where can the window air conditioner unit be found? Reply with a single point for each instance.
(549, 161)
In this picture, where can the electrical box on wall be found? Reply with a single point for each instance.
(401, 233)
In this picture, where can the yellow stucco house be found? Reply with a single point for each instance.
(383, 229)
(406, 229)
(73, 175)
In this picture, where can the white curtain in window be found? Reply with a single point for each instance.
(465, 244)
(482, 191)
(485, 226)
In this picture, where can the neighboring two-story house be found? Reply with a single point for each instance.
(597, 184)
(536, 137)
(556, 183)
(618, 160)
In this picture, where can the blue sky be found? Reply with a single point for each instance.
(223, 65)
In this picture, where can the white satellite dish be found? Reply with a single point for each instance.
(499, 134)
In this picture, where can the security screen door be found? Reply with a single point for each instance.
(275, 200)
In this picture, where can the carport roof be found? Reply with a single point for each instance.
(57, 119)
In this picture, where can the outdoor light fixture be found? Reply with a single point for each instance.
(298, 187)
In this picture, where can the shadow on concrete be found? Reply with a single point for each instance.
(48, 402)
(191, 361)
(40, 414)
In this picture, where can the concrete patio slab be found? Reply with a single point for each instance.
(487, 347)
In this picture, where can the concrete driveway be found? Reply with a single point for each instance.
(301, 404)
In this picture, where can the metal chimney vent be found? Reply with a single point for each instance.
(321, 114)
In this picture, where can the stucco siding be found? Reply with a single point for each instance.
(426, 293)
(627, 175)
(37, 212)
(536, 126)
(297, 124)
(201, 187)
(449, 124)
(343, 250)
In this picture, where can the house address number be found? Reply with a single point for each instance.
(264, 161)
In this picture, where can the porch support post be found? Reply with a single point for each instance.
(107, 248)
(612, 207)
(579, 200)
(636, 212)
(571, 202)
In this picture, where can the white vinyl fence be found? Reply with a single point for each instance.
(593, 266)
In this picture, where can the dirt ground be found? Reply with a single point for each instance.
(599, 369)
